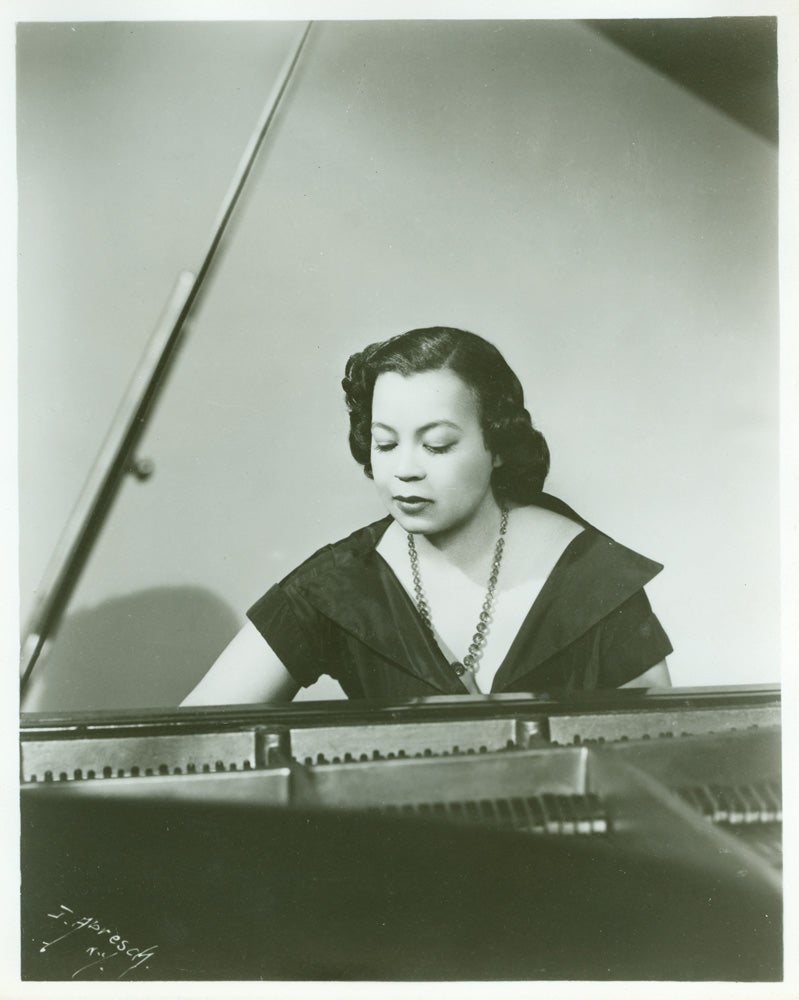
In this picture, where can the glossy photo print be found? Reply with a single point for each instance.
(399, 500)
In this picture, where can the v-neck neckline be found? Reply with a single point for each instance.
(524, 625)
(430, 640)
(353, 585)
(533, 612)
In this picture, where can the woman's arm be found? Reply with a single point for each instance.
(657, 676)
(247, 670)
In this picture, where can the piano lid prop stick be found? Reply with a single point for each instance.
(116, 458)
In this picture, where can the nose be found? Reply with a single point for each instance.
(408, 469)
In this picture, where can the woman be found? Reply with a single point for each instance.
(476, 582)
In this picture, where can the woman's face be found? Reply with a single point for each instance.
(430, 463)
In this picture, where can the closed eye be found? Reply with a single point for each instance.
(434, 449)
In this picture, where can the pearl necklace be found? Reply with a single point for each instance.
(471, 660)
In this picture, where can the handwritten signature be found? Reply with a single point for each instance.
(113, 944)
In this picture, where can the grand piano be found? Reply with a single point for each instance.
(614, 836)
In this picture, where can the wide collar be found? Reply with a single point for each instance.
(354, 587)
(594, 576)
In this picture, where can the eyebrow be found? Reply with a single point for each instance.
(421, 430)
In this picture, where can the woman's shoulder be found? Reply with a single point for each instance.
(540, 523)
(584, 547)
(340, 555)
(546, 502)
(535, 542)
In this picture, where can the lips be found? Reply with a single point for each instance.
(412, 505)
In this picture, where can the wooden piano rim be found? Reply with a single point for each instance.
(310, 713)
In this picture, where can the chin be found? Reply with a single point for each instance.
(416, 525)
(430, 527)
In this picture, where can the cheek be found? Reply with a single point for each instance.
(379, 467)
(469, 476)
(478, 468)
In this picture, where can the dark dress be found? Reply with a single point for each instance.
(344, 613)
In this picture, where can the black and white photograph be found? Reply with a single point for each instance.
(400, 435)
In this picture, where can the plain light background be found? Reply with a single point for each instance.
(613, 235)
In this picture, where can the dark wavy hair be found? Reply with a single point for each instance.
(507, 428)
